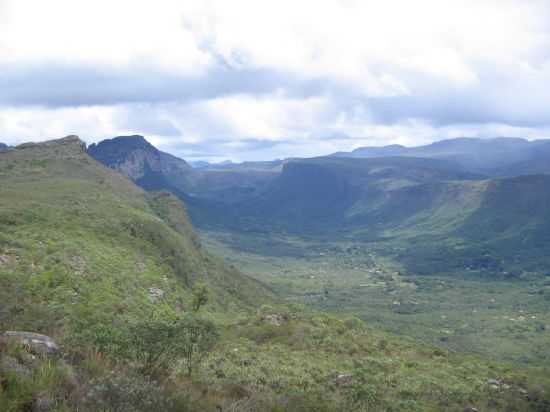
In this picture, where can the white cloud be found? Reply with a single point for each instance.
(396, 71)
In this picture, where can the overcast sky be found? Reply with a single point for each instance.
(262, 79)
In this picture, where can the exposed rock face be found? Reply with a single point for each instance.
(67, 147)
(139, 160)
(40, 344)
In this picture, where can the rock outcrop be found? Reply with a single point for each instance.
(37, 343)
(136, 158)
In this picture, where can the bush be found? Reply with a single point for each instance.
(154, 343)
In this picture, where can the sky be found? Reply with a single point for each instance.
(259, 80)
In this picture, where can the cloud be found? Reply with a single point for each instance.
(251, 80)
(62, 85)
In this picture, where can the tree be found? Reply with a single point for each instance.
(158, 343)
(200, 295)
(198, 338)
(154, 343)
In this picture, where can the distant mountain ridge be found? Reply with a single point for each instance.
(501, 156)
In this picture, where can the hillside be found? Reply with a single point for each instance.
(454, 218)
(499, 225)
(85, 256)
(317, 195)
(436, 203)
(152, 169)
(84, 233)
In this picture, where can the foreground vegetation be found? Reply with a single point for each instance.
(146, 319)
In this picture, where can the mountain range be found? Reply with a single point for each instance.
(104, 268)
(464, 203)
(501, 156)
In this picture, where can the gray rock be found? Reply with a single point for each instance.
(275, 319)
(37, 343)
(9, 364)
(155, 294)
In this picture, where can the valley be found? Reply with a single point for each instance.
(468, 312)
(275, 206)
(266, 294)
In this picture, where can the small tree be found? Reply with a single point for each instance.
(198, 338)
(156, 343)
(200, 295)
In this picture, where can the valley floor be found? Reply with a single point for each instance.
(469, 312)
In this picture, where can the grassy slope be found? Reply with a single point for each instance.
(81, 243)
(78, 236)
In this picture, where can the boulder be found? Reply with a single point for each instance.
(155, 294)
(276, 319)
(37, 343)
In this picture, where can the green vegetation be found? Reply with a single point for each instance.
(506, 318)
(147, 319)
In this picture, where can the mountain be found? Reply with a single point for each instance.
(441, 202)
(437, 214)
(105, 269)
(373, 151)
(320, 193)
(498, 156)
(136, 158)
(152, 169)
(89, 230)
(3, 146)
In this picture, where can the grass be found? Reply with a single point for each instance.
(81, 248)
(502, 319)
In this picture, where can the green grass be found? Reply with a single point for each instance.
(81, 246)
(501, 319)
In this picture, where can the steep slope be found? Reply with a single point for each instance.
(84, 253)
(321, 194)
(152, 169)
(437, 217)
(78, 238)
(436, 204)
(136, 158)
(497, 226)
